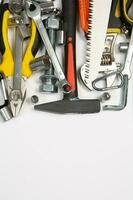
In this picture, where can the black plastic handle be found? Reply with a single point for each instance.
(3, 9)
(69, 18)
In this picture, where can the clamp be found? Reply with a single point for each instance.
(7, 67)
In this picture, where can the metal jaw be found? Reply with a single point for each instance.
(109, 68)
(16, 97)
(16, 94)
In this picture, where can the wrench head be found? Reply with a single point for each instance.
(33, 10)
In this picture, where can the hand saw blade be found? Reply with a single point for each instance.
(95, 44)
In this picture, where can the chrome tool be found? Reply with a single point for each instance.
(34, 12)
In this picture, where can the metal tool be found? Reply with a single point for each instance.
(49, 80)
(86, 13)
(40, 63)
(46, 7)
(16, 74)
(124, 95)
(16, 6)
(129, 58)
(95, 40)
(71, 103)
(34, 12)
(22, 27)
(116, 73)
(109, 68)
(16, 95)
(4, 107)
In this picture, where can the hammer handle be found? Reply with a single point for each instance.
(69, 17)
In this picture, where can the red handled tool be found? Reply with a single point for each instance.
(69, 18)
(71, 103)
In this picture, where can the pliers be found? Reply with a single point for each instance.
(7, 65)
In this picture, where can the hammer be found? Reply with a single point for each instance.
(70, 103)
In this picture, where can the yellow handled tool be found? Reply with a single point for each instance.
(10, 67)
(7, 66)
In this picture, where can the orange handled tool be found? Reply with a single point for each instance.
(84, 14)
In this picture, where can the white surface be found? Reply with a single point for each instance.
(61, 157)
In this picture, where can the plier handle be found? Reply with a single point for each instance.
(7, 66)
(124, 8)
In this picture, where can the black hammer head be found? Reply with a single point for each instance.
(71, 106)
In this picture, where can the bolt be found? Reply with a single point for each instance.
(49, 80)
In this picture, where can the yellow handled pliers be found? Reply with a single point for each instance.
(7, 65)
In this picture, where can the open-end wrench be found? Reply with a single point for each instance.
(34, 12)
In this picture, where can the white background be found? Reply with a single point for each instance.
(61, 157)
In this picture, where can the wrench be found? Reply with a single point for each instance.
(34, 12)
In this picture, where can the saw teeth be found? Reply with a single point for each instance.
(88, 37)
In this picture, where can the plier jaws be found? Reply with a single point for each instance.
(16, 97)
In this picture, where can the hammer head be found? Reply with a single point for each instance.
(71, 106)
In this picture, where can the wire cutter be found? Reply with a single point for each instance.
(7, 65)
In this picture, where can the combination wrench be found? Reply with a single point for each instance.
(34, 12)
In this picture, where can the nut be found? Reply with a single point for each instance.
(49, 83)
(53, 23)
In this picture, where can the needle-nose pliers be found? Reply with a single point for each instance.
(7, 65)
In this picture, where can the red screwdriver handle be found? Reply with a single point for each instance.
(69, 18)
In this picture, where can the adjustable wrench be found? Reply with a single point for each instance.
(34, 12)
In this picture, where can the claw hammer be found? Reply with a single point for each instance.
(71, 103)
